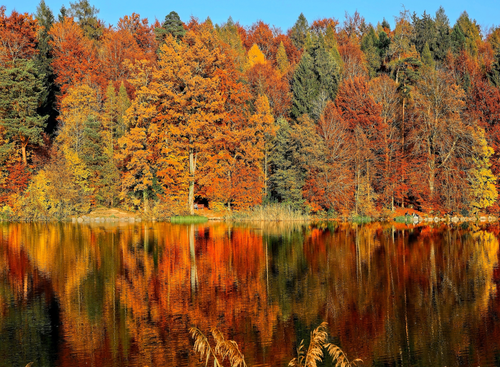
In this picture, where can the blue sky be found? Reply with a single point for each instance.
(282, 14)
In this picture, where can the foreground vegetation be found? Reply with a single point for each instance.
(333, 118)
(307, 357)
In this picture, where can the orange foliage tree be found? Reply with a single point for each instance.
(18, 36)
(75, 61)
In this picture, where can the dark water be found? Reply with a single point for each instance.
(126, 295)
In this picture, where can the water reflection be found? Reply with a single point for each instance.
(112, 295)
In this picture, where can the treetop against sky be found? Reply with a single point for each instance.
(282, 14)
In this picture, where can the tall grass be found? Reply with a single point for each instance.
(316, 351)
(306, 358)
(223, 348)
(270, 212)
(188, 219)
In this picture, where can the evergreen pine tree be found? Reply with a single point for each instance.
(494, 73)
(299, 32)
(282, 59)
(385, 25)
(63, 13)
(383, 43)
(327, 72)
(305, 86)
(425, 31)
(86, 17)
(443, 37)
(427, 58)
(285, 180)
(369, 44)
(93, 151)
(43, 62)
(316, 78)
(172, 25)
(104, 174)
(457, 39)
(21, 90)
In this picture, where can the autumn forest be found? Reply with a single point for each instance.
(330, 116)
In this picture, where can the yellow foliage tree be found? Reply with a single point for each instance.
(282, 59)
(255, 56)
(482, 179)
(81, 102)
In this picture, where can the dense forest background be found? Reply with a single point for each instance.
(336, 116)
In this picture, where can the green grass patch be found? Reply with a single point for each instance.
(403, 219)
(188, 219)
(361, 219)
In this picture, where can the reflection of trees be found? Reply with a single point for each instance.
(127, 294)
(413, 294)
(27, 306)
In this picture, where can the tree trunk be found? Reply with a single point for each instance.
(146, 203)
(432, 167)
(192, 168)
(23, 151)
(403, 153)
(265, 173)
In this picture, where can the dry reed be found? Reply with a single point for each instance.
(271, 212)
(314, 354)
(229, 349)
(223, 348)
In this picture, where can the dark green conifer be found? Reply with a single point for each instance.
(43, 62)
(21, 90)
(63, 13)
(494, 74)
(286, 180)
(427, 58)
(383, 43)
(104, 174)
(316, 78)
(299, 32)
(172, 25)
(443, 38)
(457, 39)
(86, 17)
(385, 25)
(369, 44)
(305, 86)
(425, 31)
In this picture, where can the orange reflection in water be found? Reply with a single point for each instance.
(127, 294)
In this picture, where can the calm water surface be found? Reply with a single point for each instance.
(126, 295)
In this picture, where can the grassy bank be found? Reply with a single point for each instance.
(188, 219)
(271, 212)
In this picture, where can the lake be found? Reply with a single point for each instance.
(126, 294)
